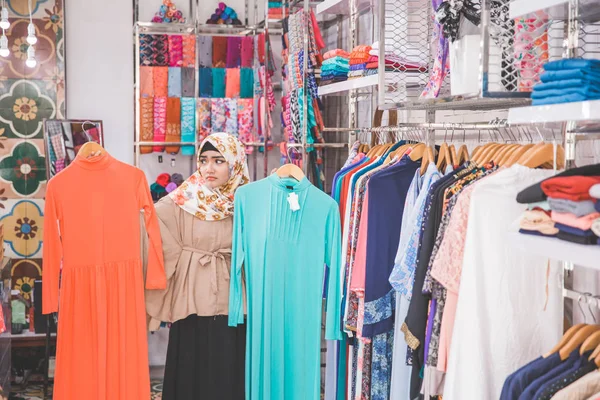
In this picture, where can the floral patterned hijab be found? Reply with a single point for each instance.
(214, 204)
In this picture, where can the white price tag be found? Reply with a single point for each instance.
(293, 201)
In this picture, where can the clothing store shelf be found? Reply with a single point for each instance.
(556, 249)
(556, 9)
(575, 111)
(340, 7)
(350, 84)
(459, 103)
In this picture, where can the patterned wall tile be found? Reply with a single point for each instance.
(21, 8)
(22, 168)
(23, 228)
(24, 273)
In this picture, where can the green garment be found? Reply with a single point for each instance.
(282, 254)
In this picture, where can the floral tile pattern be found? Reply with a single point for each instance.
(22, 168)
(23, 228)
(27, 97)
(24, 273)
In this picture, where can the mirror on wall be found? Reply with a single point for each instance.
(63, 139)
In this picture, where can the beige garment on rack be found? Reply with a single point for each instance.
(582, 388)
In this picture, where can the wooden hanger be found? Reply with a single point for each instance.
(442, 156)
(290, 170)
(417, 151)
(476, 151)
(517, 154)
(504, 153)
(428, 158)
(399, 152)
(590, 343)
(90, 149)
(453, 155)
(483, 155)
(565, 339)
(578, 338)
(541, 155)
(463, 154)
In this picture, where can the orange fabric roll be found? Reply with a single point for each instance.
(219, 51)
(173, 124)
(232, 82)
(160, 78)
(189, 51)
(146, 123)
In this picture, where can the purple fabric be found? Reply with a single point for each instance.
(247, 51)
(234, 51)
(440, 65)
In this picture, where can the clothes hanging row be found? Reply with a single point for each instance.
(417, 232)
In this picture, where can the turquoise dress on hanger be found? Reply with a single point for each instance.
(282, 254)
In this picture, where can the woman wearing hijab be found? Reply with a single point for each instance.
(205, 357)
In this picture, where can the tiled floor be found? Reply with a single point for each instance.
(36, 392)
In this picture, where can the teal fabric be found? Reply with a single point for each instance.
(218, 82)
(188, 124)
(246, 83)
(283, 254)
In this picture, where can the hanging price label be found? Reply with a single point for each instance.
(293, 201)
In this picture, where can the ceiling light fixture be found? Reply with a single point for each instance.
(4, 22)
(31, 62)
(31, 38)
(4, 52)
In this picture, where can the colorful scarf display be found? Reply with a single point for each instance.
(207, 204)
(204, 118)
(160, 121)
(232, 83)
(231, 115)
(160, 50)
(246, 83)
(217, 115)
(188, 122)
(206, 82)
(188, 82)
(218, 83)
(146, 81)
(146, 123)
(173, 133)
(205, 51)
(189, 51)
(234, 51)
(160, 78)
(245, 121)
(247, 52)
(219, 52)
(175, 51)
(174, 89)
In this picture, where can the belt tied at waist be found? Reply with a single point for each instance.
(211, 257)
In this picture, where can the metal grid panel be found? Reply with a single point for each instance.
(500, 59)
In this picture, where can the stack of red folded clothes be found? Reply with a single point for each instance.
(358, 61)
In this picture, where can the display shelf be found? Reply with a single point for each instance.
(556, 249)
(158, 28)
(576, 111)
(340, 7)
(556, 9)
(459, 103)
(350, 84)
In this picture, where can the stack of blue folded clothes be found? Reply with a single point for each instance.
(568, 80)
(334, 69)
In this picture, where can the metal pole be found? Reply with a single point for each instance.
(305, 29)
(136, 86)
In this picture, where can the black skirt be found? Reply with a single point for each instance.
(205, 360)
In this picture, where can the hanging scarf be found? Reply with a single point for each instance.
(214, 204)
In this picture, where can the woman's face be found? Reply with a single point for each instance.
(214, 169)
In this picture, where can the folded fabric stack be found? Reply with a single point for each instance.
(394, 63)
(277, 10)
(335, 67)
(224, 15)
(358, 61)
(576, 213)
(568, 80)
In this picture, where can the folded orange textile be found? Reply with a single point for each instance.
(336, 53)
(232, 86)
(574, 188)
(584, 223)
(173, 124)
(146, 122)
(160, 78)
(146, 82)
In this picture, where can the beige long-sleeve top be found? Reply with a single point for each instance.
(582, 388)
(197, 258)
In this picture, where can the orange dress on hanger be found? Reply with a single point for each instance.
(92, 225)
